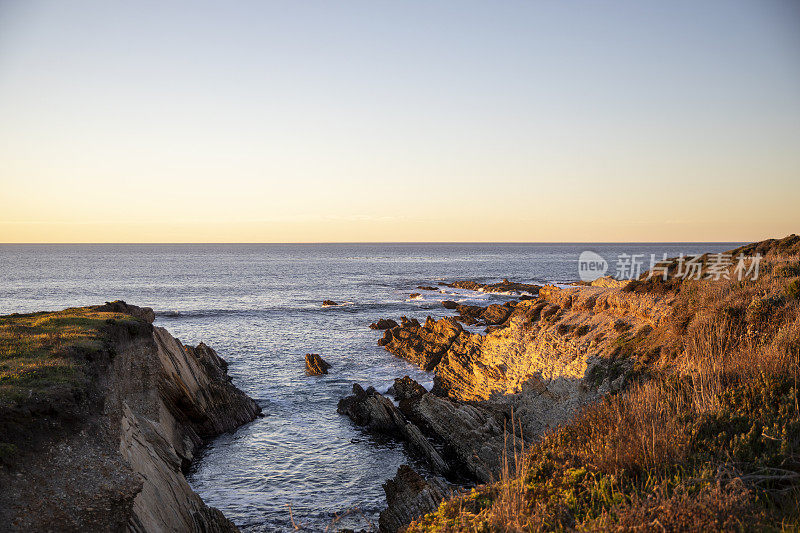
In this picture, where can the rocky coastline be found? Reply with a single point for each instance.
(539, 361)
(108, 451)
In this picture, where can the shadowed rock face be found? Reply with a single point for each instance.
(552, 355)
(409, 497)
(119, 466)
(472, 436)
(316, 365)
(375, 412)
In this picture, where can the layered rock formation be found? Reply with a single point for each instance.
(422, 345)
(472, 438)
(119, 464)
(490, 315)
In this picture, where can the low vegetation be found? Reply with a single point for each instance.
(704, 436)
(46, 365)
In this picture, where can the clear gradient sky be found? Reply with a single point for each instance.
(255, 121)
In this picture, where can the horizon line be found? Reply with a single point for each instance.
(365, 242)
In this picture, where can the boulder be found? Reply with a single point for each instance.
(316, 365)
(415, 295)
(328, 303)
(408, 322)
(372, 410)
(409, 497)
(449, 304)
(406, 388)
(384, 323)
(387, 337)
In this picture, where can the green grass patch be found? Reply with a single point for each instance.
(41, 351)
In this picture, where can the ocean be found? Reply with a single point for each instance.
(260, 307)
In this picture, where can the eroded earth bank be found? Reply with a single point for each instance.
(100, 415)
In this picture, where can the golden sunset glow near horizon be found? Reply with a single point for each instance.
(363, 121)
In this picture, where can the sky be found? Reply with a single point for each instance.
(535, 121)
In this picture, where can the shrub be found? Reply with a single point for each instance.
(788, 270)
(620, 325)
(792, 290)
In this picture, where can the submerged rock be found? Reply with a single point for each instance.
(426, 288)
(503, 286)
(409, 497)
(316, 365)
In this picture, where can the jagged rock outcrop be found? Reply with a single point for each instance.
(119, 463)
(424, 345)
(409, 497)
(316, 365)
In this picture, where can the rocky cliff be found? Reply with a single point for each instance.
(106, 451)
(691, 373)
